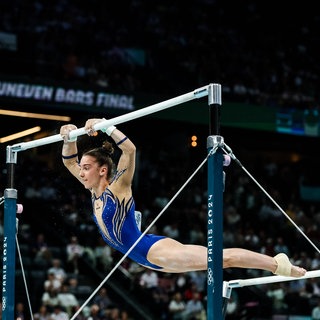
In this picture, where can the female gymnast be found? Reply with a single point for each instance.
(114, 212)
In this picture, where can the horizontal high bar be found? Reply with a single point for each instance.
(270, 279)
(196, 94)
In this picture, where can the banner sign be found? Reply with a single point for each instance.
(39, 93)
(21, 94)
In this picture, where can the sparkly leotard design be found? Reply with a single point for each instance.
(118, 227)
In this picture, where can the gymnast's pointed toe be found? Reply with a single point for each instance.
(285, 268)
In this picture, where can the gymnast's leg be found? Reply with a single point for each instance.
(242, 258)
(176, 257)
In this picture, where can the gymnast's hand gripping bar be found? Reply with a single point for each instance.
(196, 94)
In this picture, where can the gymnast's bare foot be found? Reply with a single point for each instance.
(297, 271)
(285, 268)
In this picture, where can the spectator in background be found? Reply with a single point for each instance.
(194, 308)
(171, 230)
(67, 299)
(74, 253)
(176, 306)
(112, 314)
(32, 190)
(196, 235)
(268, 247)
(277, 292)
(48, 191)
(199, 279)
(232, 306)
(58, 313)
(102, 299)
(40, 250)
(181, 281)
(42, 314)
(52, 283)
(95, 312)
(232, 218)
(59, 272)
(84, 314)
(188, 294)
(103, 255)
(280, 246)
(124, 315)
(50, 298)
(20, 312)
(315, 261)
(149, 280)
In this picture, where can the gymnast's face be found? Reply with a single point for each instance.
(91, 173)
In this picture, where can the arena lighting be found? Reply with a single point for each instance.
(34, 115)
(20, 134)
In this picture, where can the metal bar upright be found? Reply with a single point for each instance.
(9, 243)
(9, 254)
(214, 215)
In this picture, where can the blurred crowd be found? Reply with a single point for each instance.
(258, 53)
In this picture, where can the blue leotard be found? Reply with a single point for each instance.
(119, 228)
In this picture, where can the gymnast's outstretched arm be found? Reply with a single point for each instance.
(70, 151)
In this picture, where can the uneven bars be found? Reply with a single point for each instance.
(270, 279)
(196, 94)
